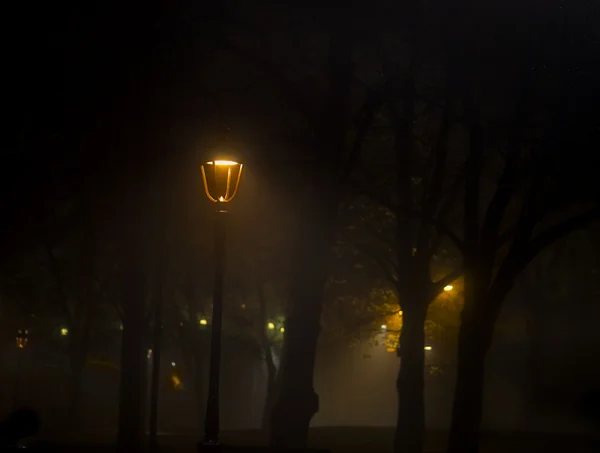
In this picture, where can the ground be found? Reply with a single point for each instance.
(379, 440)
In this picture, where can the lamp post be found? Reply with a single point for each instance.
(22, 340)
(221, 179)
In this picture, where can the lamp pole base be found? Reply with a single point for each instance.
(219, 448)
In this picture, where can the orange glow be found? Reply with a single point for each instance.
(22, 338)
(221, 179)
(223, 162)
(177, 384)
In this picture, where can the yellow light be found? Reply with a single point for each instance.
(64, 332)
(448, 288)
(427, 348)
(221, 179)
(223, 162)
(400, 313)
(203, 322)
(282, 329)
(383, 327)
(177, 384)
(270, 326)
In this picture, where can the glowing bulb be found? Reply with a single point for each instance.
(173, 364)
(400, 313)
(282, 329)
(221, 199)
(64, 332)
(203, 322)
(270, 326)
(427, 348)
(223, 162)
(383, 327)
(448, 288)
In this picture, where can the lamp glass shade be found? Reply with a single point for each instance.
(221, 179)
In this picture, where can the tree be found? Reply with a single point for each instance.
(543, 192)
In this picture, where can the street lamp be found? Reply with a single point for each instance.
(22, 340)
(221, 179)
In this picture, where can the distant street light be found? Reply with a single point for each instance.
(448, 288)
(270, 326)
(203, 322)
(64, 332)
(221, 179)
(22, 338)
(428, 348)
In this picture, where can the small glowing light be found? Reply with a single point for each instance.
(149, 354)
(177, 384)
(428, 348)
(448, 288)
(383, 327)
(203, 322)
(64, 332)
(221, 199)
(243, 306)
(173, 364)
(282, 329)
(270, 326)
(120, 326)
(400, 313)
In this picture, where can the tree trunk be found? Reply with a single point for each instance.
(410, 384)
(297, 402)
(133, 362)
(467, 409)
(75, 391)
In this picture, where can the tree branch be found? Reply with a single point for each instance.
(431, 198)
(439, 225)
(558, 231)
(387, 266)
(444, 210)
(363, 123)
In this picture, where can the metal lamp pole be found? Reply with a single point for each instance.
(22, 339)
(211, 422)
(221, 181)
